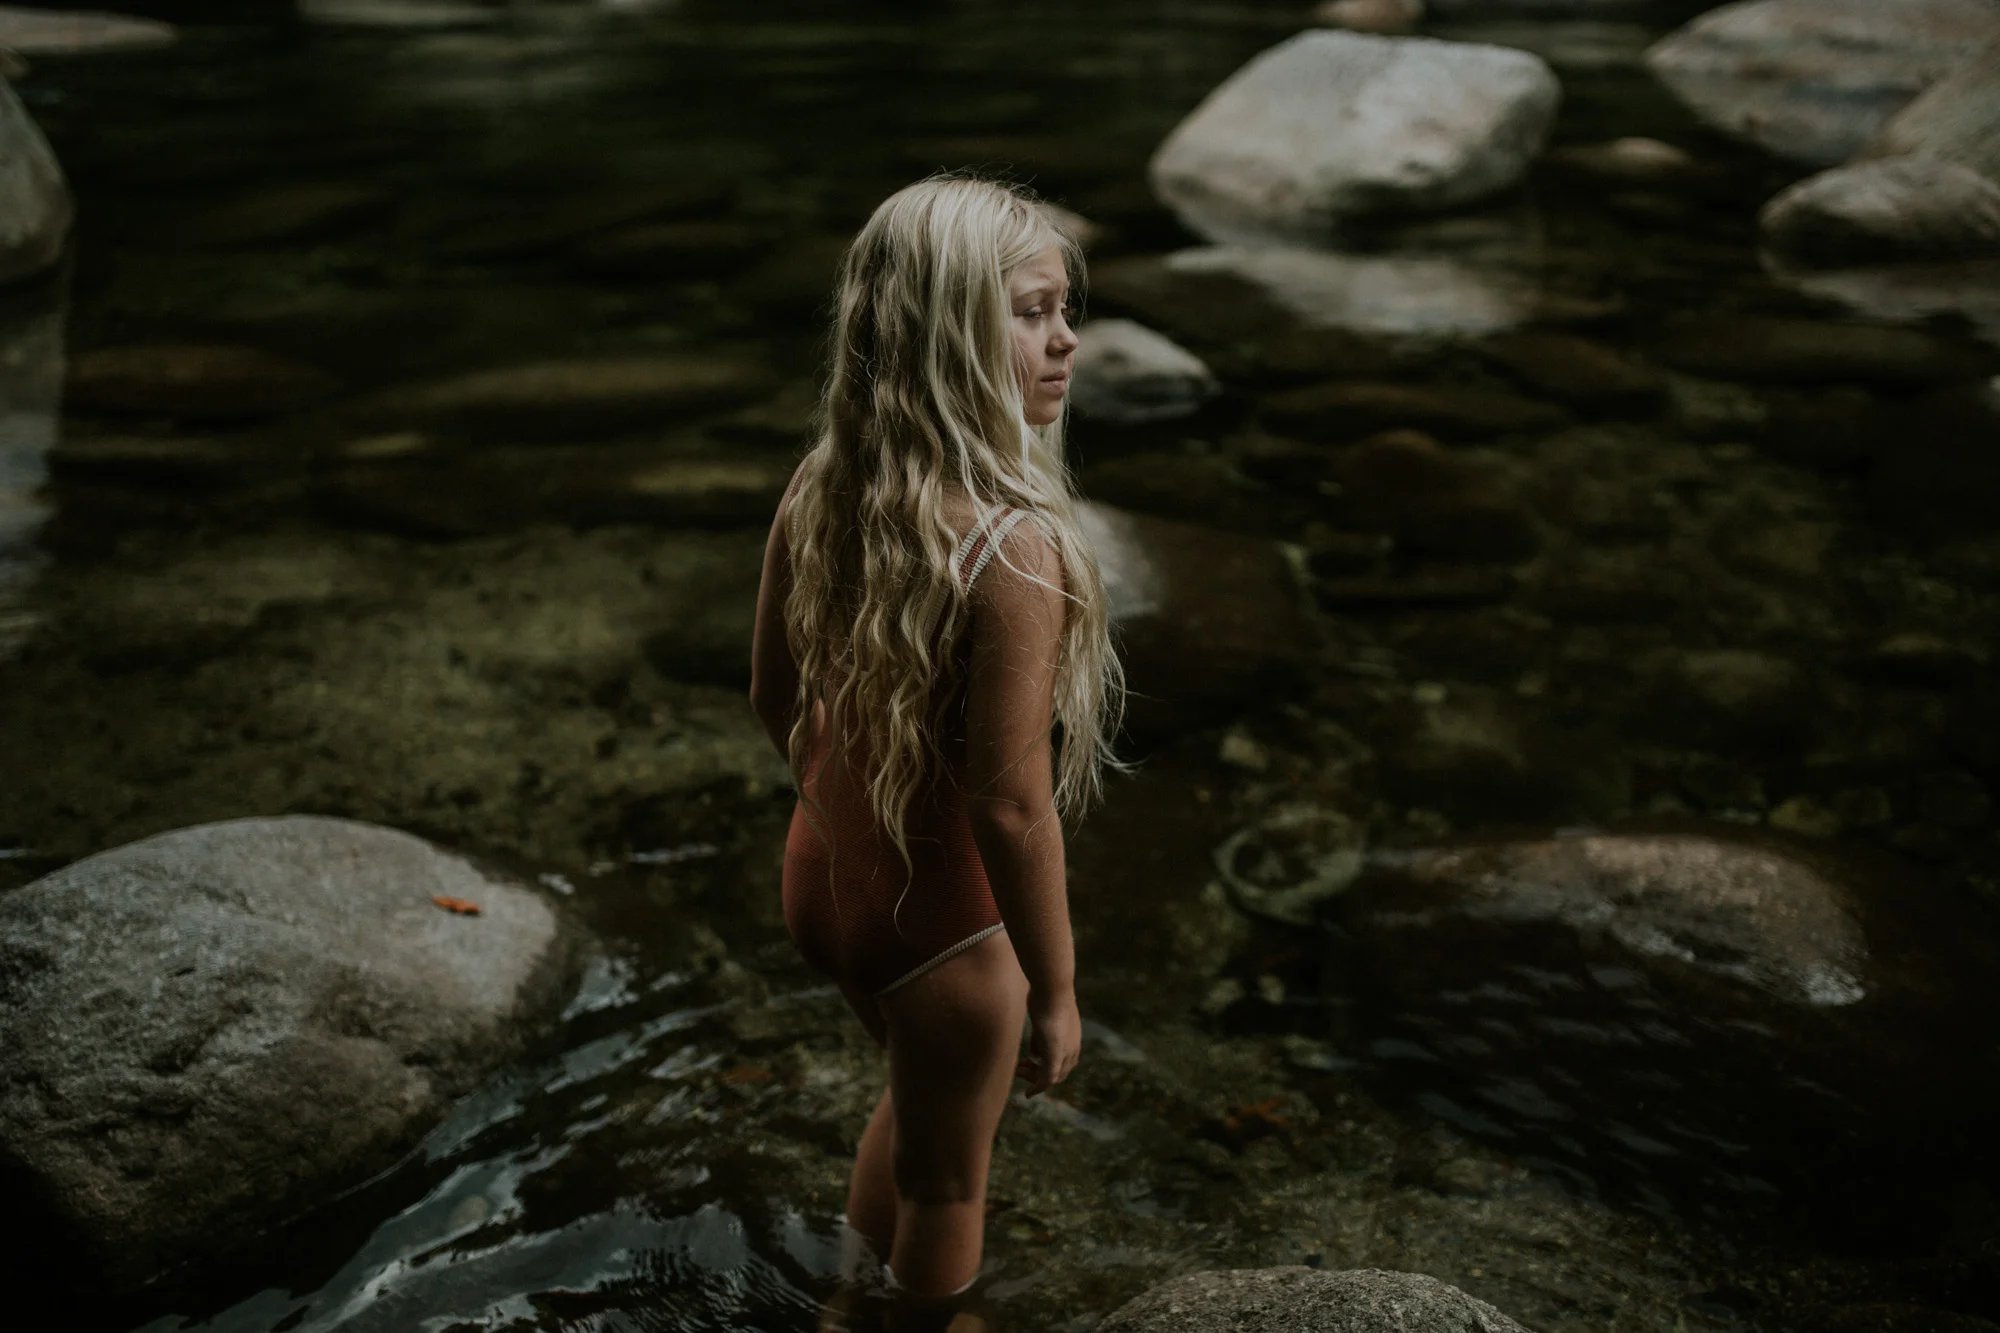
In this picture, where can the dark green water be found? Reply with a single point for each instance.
(1757, 597)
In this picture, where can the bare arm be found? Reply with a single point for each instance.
(774, 675)
(1017, 622)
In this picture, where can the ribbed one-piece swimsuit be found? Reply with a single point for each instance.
(853, 908)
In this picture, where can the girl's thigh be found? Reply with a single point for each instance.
(954, 1039)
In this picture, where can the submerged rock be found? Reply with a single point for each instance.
(1771, 349)
(1814, 80)
(1576, 370)
(1683, 1016)
(35, 204)
(1330, 126)
(1291, 1300)
(1407, 295)
(583, 394)
(1436, 504)
(192, 381)
(1127, 373)
(213, 1030)
(1384, 18)
(1205, 620)
(62, 32)
(1344, 410)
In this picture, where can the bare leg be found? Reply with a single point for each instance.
(871, 1191)
(954, 1038)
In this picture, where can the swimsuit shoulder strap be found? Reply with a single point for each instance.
(977, 549)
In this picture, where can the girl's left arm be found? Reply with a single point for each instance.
(774, 673)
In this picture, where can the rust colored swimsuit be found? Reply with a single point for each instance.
(853, 908)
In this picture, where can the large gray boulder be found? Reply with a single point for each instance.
(1814, 80)
(210, 1031)
(1306, 1300)
(1330, 126)
(35, 204)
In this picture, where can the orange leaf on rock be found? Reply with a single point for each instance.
(458, 905)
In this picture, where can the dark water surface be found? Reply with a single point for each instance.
(252, 570)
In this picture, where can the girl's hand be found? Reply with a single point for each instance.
(1055, 1040)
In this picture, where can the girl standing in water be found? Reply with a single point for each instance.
(931, 654)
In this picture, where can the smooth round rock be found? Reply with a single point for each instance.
(210, 1031)
(1306, 1300)
(1127, 373)
(1892, 208)
(1334, 125)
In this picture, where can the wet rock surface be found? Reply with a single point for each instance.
(1755, 1019)
(1331, 125)
(1277, 1300)
(1815, 80)
(1897, 208)
(214, 1029)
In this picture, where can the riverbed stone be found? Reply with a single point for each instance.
(199, 381)
(1783, 350)
(35, 203)
(1815, 80)
(1343, 410)
(1576, 370)
(1926, 187)
(1126, 373)
(1206, 621)
(1956, 119)
(212, 1030)
(1330, 126)
(1762, 1018)
(1436, 503)
(62, 32)
(1298, 1298)
(1895, 208)
(1384, 18)
(575, 395)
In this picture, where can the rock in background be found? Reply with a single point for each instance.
(1926, 187)
(1814, 80)
(213, 1030)
(1332, 126)
(1126, 373)
(35, 205)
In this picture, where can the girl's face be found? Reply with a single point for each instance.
(1044, 343)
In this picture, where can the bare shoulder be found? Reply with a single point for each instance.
(1025, 567)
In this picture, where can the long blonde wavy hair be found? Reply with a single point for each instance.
(923, 399)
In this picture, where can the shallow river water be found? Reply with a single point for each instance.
(247, 568)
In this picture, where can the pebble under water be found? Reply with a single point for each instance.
(368, 496)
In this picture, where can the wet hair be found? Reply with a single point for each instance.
(923, 400)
